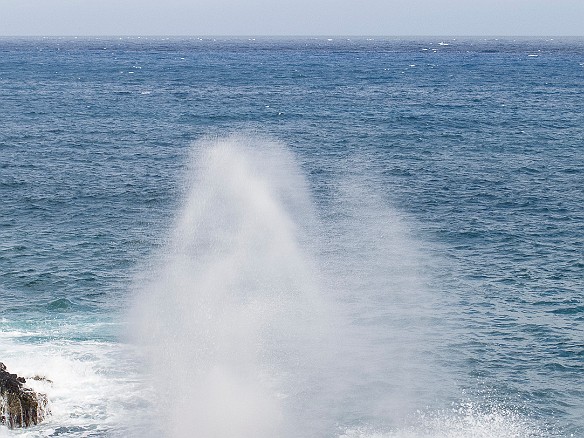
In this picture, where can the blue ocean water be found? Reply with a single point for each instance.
(384, 236)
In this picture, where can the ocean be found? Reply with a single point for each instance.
(294, 237)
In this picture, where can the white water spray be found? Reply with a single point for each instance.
(232, 306)
(264, 316)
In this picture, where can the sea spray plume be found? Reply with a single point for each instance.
(260, 320)
(379, 274)
(230, 314)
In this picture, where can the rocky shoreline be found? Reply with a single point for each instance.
(19, 406)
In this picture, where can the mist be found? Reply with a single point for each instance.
(258, 317)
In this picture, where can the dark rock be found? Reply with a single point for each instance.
(19, 406)
(41, 379)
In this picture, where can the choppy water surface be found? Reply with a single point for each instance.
(311, 237)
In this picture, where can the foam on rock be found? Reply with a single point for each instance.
(19, 406)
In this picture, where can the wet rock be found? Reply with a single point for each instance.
(41, 379)
(19, 406)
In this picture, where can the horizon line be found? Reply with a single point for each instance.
(453, 36)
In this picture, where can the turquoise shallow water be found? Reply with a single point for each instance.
(445, 183)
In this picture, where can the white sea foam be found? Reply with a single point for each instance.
(92, 386)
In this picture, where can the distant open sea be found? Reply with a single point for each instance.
(296, 238)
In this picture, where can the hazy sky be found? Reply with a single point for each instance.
(292, 17)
